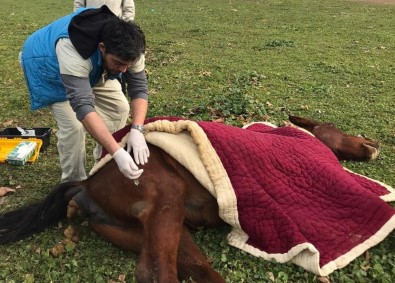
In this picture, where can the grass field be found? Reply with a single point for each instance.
(239, 60)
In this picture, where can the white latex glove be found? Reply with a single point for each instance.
(137, 141)
(126, 164)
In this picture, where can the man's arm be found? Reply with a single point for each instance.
(98, 130)
(138, 91)
(77, 89)
(139, 108)
(79, 93)
(136, 80)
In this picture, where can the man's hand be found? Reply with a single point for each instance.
(137, 141)
(126, 164)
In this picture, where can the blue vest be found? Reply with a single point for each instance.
(41, 67)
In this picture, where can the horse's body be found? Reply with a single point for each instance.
(150, 217)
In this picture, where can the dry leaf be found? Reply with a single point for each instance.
(8, 123)
(214, 112)
(204, 73)
(72, 233)
(219, 120)
(323, 279)
(57, 250)
(367, 255)
(365, 266)
(271, 276)
(38, 250)
(5, 190)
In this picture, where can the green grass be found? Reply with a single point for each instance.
(237, 60)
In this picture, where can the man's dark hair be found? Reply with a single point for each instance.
(123, 39)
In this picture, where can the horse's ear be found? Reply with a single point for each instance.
(303, 122)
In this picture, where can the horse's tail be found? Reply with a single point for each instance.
(25, 221)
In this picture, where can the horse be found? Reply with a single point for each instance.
(343, 145)
(139, 215)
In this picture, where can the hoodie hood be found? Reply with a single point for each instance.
(85, 29)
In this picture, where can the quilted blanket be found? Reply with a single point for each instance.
(284, 193)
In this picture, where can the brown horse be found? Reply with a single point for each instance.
(150, 216)
(344, 146)
(139, 216)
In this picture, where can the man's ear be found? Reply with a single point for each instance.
(102, 47)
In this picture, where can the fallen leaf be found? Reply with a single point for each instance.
(271, 276)
(323, 279)
(367, 255)
(57, 250)
(205, 73)
(365, 266)
(266, 118)
(8, 123)
(5, 190)
(219, 120)
(38, 250)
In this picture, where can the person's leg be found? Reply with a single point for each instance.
(113, 107)
(71, 142)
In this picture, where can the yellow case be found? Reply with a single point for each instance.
(7, 145)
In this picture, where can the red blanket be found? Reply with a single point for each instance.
(295, 201)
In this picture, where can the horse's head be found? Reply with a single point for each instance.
(345, 146)
(358, 148)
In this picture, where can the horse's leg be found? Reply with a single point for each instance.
(192, 264)
(130, 238)
(201, 210)
(162, 228)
